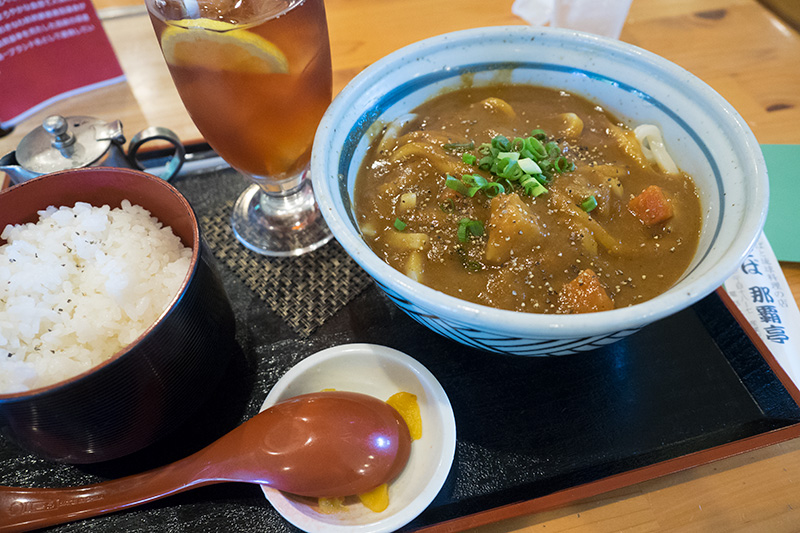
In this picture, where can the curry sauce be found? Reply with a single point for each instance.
(606, 229)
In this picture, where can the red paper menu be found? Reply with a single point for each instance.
(49, 50)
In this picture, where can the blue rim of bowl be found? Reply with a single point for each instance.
(439, 305)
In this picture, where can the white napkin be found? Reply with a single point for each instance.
(601, 17)
(534, 12)
(760, 291)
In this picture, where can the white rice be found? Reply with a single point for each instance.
(78, 286)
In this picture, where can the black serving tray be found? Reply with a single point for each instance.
(684, 391)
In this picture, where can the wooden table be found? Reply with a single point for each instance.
(737, 46)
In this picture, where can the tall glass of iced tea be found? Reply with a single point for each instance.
(255, 76)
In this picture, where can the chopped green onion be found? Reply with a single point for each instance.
(459, 147)
(539, 134)
(453, 183)
(589, 204)
(562, 164)
(459, 186)
(470, 184)
(547, 169)
(541, 178)
(492, 189)
(474, 180)
(470, 264)
(449, 206)
(502, 143)
(485, 163)
(462, 233)
(532, 187)
(473, 266)
(511, 156)
(399, 225)
(536, 147)
(468, 226)
(529, 163)
(507, 185)
(529, 166)
(511, 171)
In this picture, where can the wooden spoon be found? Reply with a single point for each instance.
(325, 444)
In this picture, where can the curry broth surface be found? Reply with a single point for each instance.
(645, 262)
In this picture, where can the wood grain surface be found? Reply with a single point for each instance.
(739, 47)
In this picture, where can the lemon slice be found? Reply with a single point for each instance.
(218, 45)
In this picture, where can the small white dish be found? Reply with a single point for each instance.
(380, 372)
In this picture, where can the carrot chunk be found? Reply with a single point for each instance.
(584, 294)
(651, 206)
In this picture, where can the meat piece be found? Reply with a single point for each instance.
(584, 294)
(651, 206)
(513, 229)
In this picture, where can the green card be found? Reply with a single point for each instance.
(783, 224)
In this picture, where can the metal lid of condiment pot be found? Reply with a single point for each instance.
(64, 143)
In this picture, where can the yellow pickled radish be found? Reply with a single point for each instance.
(376, 500)
(219, 45)
(406, 404)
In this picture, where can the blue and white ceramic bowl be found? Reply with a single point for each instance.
(706, 136)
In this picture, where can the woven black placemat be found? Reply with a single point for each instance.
(304, 291)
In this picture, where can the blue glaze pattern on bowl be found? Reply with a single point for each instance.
(507, 345)
(705, 135)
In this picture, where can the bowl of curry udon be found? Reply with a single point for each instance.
(538, 191)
